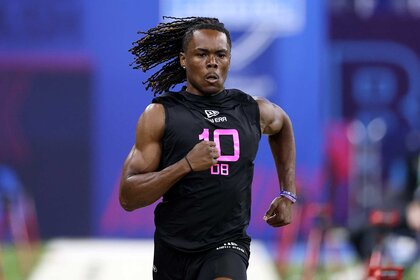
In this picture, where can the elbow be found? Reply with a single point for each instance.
(134, 194)
(124, 197)
(130, 205)
(129, 201)
(125, 202)
(126, 205)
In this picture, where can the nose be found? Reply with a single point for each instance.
(212, 61)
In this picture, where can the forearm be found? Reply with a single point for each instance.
(282, 146)
(140, 190)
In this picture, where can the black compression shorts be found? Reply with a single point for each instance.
(229, 259)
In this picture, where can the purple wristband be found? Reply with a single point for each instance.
(289, 195)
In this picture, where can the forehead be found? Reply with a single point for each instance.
(208, 39)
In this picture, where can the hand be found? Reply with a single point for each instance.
(203, 155)
(280, 212)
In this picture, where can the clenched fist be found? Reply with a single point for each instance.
(203, 155)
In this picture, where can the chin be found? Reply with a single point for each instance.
(212, 90)
(206, 89)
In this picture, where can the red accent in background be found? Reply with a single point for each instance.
(13, 90)
(48, 61)
(17, 71)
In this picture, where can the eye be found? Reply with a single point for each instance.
(221, 55)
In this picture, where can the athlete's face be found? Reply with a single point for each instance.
(206, 61)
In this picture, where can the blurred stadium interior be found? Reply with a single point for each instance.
(346, 71)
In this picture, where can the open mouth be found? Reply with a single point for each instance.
(212, 78)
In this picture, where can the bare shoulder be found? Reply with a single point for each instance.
(264, 105)
(151, 123)
(155, 109)
(272, 116)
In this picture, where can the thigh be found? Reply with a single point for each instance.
(168, 264)
(229, 261)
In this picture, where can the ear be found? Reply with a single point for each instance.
(182, 59)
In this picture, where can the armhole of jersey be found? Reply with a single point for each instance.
(258, 117)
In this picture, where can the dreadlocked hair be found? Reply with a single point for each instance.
(162, 44)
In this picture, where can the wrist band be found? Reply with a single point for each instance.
(189, 164)
(289, 195)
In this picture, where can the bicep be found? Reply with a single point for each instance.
(145, 155)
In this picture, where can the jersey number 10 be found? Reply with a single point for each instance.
(222, 168)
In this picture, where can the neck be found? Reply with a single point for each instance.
(199, 93)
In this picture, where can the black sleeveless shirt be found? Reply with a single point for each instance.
(209, 207)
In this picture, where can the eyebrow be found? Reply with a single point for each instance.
(206, 50)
